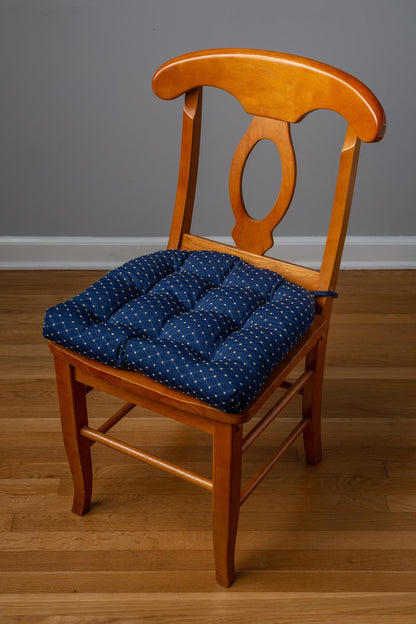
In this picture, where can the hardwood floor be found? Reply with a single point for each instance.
(331, 543)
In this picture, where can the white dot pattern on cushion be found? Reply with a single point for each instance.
(205, 323)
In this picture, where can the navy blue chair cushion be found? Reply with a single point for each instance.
(205, 323)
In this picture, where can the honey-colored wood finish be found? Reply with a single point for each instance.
(251, 234)
(275, 85)
(276, 89)
(319, 544)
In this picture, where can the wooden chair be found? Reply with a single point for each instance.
(276, 89)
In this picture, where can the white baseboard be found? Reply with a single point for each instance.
(360, 252)
(73, 252)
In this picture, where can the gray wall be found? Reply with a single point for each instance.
(87, 149)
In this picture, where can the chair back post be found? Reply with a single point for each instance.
(335, 240)
(188, 167)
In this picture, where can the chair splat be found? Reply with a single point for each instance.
(256, 236)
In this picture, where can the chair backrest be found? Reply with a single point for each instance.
(277, 89)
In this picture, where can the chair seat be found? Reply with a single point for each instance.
(202, 322)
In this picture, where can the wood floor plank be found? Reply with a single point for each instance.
(104, 520)
(227, 608)
(114, 540)
(124, 469)
(154, 560)
(203, 581)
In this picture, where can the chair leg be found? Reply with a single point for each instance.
(227, 452)
(73, 408)
(312, 403)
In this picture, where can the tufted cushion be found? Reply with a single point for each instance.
(202, 322)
